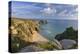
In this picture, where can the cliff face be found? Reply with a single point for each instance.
(24, 33)
(26, 30)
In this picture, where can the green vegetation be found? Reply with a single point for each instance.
(21, 31)
(48, 46)
(17, 44)
(69, 33)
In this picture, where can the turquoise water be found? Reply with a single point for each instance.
(54, 27)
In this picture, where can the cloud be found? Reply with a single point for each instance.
(35, 10)
(73, 13)
(69, 13)
(48, 11)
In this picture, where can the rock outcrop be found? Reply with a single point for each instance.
(67, 43)
(31, 48)
(25, 32)
(24, 29)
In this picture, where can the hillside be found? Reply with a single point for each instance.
(26, 32)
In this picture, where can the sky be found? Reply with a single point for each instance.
(35, 10)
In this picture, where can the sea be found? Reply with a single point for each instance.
(54, 27)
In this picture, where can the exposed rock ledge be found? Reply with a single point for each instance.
(31, 48)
